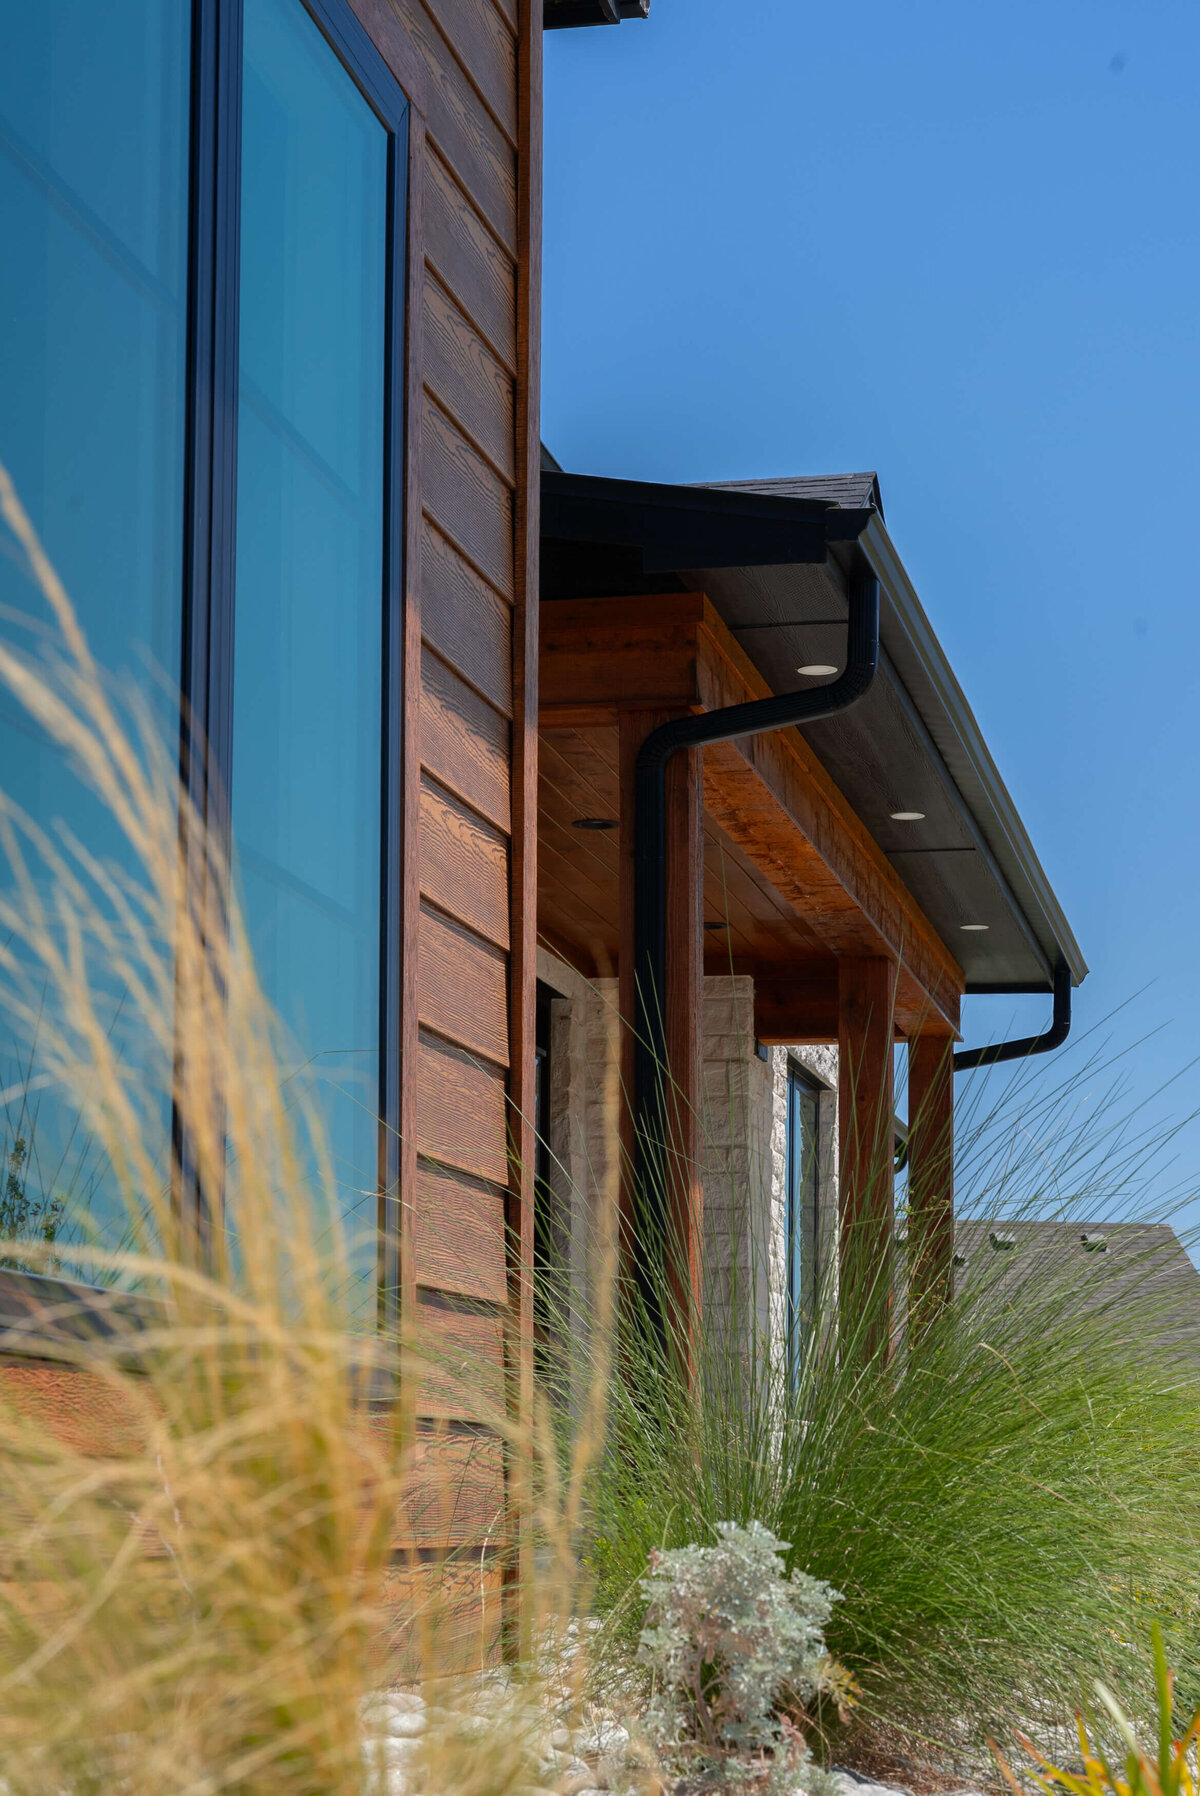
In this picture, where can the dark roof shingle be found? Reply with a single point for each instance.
(853, 492)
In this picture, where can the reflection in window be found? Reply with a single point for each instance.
(803, 1196)
(93, 224)
(308, 641)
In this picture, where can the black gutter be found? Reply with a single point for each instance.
(650, 945)
(968, 1058)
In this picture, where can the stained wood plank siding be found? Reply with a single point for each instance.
(470, 262)
(458, 1234)
(465, 743)
(467, 500)
(463, 988)
(465, 620)
(472, 71)
(464, 864)
(468, 382)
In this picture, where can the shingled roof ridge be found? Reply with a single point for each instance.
(854, 490)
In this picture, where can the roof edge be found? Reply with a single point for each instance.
(565, 15)
(911, 616)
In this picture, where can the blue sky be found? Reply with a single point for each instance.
(960, 245)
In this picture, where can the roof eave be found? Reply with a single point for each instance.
(1013, 848)
(567, 15)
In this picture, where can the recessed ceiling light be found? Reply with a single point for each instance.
(908, 816)
(595, 823)
(975, 926)
(814, 669)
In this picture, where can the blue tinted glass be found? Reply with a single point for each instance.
(802, 1193)
(308, 662)
(93, 229)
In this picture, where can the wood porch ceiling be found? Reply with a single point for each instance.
(792, 879)
(578, 869)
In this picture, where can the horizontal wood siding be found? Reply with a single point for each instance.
(487, 48)
(461, 1113)
(455, 1491)
(463, 64)
(466, 620)
(447, 1606)
(464, 1349)
(465, 742)
(469, 262)
(467, 380)
(464, 864)
(467, 500)
(458, 1234)
(462, 988)
(463, 131)
(83, 1410)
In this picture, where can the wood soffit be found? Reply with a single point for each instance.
(769, 797)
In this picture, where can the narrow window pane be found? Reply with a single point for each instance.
(93, 229)
(803, 1174)
(308, 639)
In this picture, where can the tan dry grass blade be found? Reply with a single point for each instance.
(210, 1522)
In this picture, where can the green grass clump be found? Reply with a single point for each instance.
(995, 1498)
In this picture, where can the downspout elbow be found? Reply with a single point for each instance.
(967, 1059)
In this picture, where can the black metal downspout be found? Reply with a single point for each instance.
(1055, 1035)
(650, 947)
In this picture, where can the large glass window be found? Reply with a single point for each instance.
(94, 125)
(309, 598)
(157, 388)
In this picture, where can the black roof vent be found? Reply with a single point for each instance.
(560, 15)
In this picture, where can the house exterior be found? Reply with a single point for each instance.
(269, 327)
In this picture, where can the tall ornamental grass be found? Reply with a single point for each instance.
(230, 1541)
(1006, 1497)
(223, 1509)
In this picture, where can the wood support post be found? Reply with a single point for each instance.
(930, 1177)
(684, 1003)
(866, 1119)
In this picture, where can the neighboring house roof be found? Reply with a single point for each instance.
(760, 551)
(1138, 1276)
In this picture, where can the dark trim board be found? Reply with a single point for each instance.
(562, 15)
(39, 1314)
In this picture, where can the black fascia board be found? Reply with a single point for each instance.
(677, 527)
(564, 15)
(1023, 988)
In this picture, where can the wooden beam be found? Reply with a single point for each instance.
(684, 1005)
(799, 1007)
(601, 653)
(930, 1177)
(767, 790)
(685, 1073)
(866, 1120)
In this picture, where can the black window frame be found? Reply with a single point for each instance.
(799, 1303)
(210, 513)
